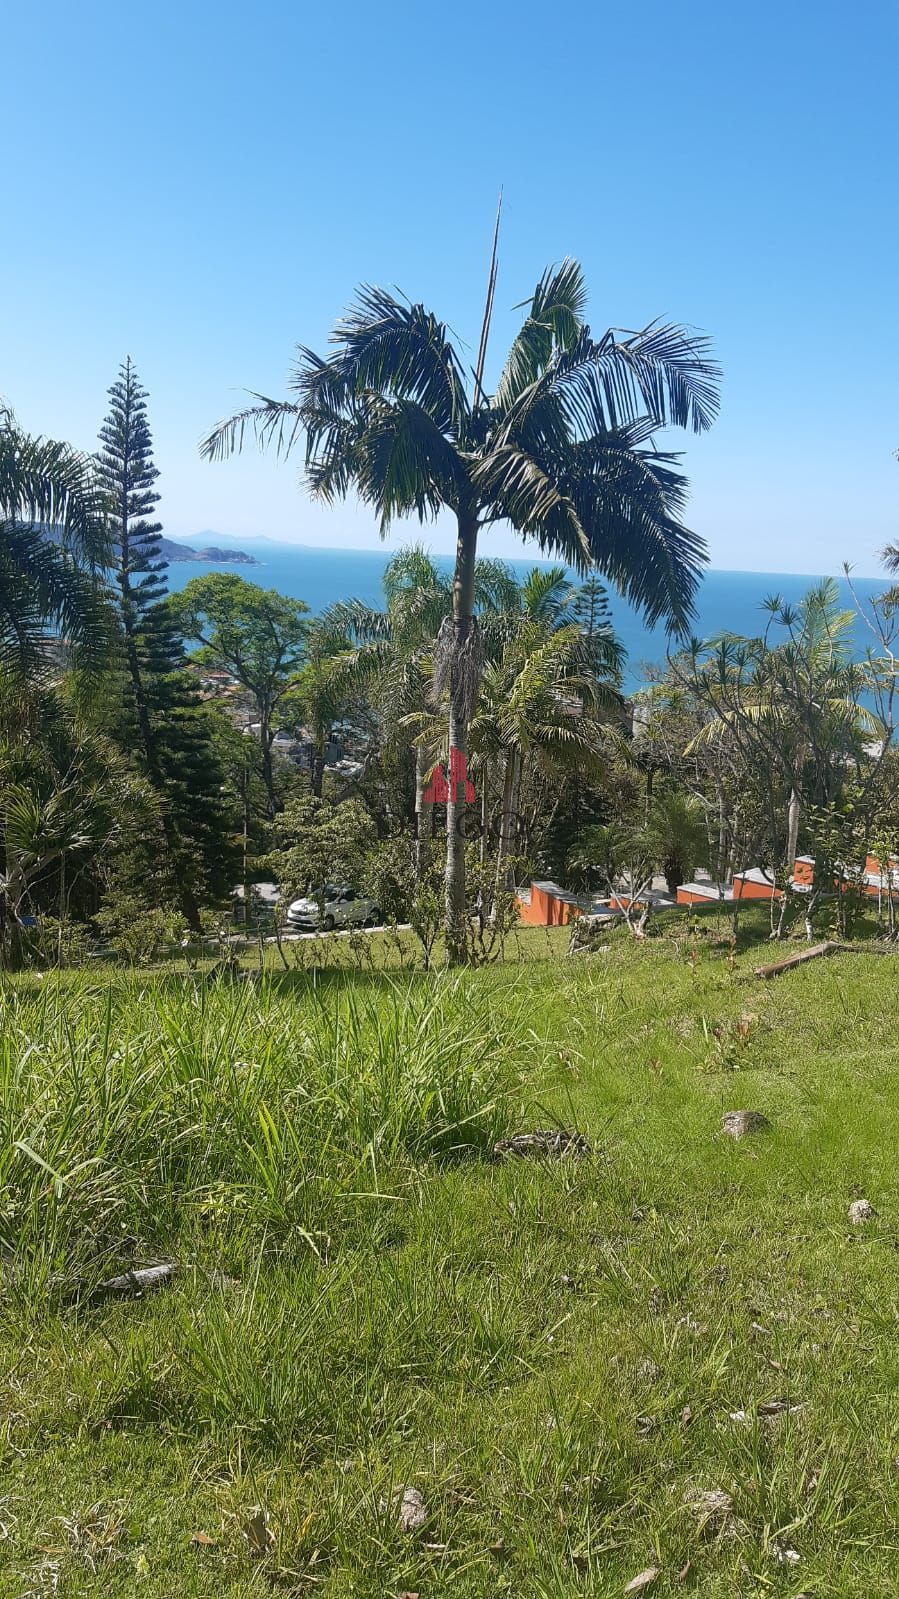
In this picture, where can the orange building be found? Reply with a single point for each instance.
(546, 905)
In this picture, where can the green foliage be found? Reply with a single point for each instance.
(677, 834)
(256, 634)
(139, 933)
(163, 724)
(561, 449)
(52, 942)
(318, 842)
(53, 547)
(69, 801)
(407, 884)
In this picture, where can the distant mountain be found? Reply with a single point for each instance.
(209, 552)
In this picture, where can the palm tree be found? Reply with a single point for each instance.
(544, 704)
(562, 449)
(794, 707)
(67, 797)
(53, 547)
(678, 835)
(393, 649)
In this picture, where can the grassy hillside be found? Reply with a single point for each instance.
(565, 1358)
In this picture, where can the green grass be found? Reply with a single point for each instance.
(552, 1353)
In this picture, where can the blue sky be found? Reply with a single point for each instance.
(202, 186)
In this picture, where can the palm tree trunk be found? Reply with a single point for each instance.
(424, 813)
(511, 772)
(318, 764)
(62, 907)
(460, 701)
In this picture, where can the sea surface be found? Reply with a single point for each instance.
(727, 601)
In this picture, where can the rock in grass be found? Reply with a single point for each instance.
(713, 1509)
(643, 1579)
(545, 1142)
(412, 1512)
(140, 1280)
(740, 1123)
(860, 1211)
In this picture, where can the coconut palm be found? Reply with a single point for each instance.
(562, 449)
(53, 546)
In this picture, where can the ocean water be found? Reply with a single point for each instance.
(727, 601)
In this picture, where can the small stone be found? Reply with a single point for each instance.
(777, 1407)
(641, 1582)
(860, 1211)
(740, 1123)
(713, 1509)
(412, 1512)
(545, 1142)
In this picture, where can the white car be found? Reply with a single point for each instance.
(340, 907)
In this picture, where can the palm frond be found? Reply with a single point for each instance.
(553, 322)
(270, 422)
(393, 349)
(406, 464)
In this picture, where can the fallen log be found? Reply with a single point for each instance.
(831, 946)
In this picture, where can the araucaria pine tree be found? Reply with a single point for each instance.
(164, 724)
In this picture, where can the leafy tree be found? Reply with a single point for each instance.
(562, 449)
(318, 843)
(164, 723)
(318, 692)
(256, 634)
(53, 548)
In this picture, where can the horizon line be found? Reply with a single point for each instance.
(387, 549)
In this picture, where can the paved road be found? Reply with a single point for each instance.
(337, 932)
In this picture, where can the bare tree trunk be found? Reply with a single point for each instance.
(721, 864)
(463, 675)
(266, 737)
(792, 829)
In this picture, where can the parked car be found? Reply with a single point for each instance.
(340, 907)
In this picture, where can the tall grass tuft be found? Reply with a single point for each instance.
(134, 1115)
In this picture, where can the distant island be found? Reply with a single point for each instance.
(210, 552)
